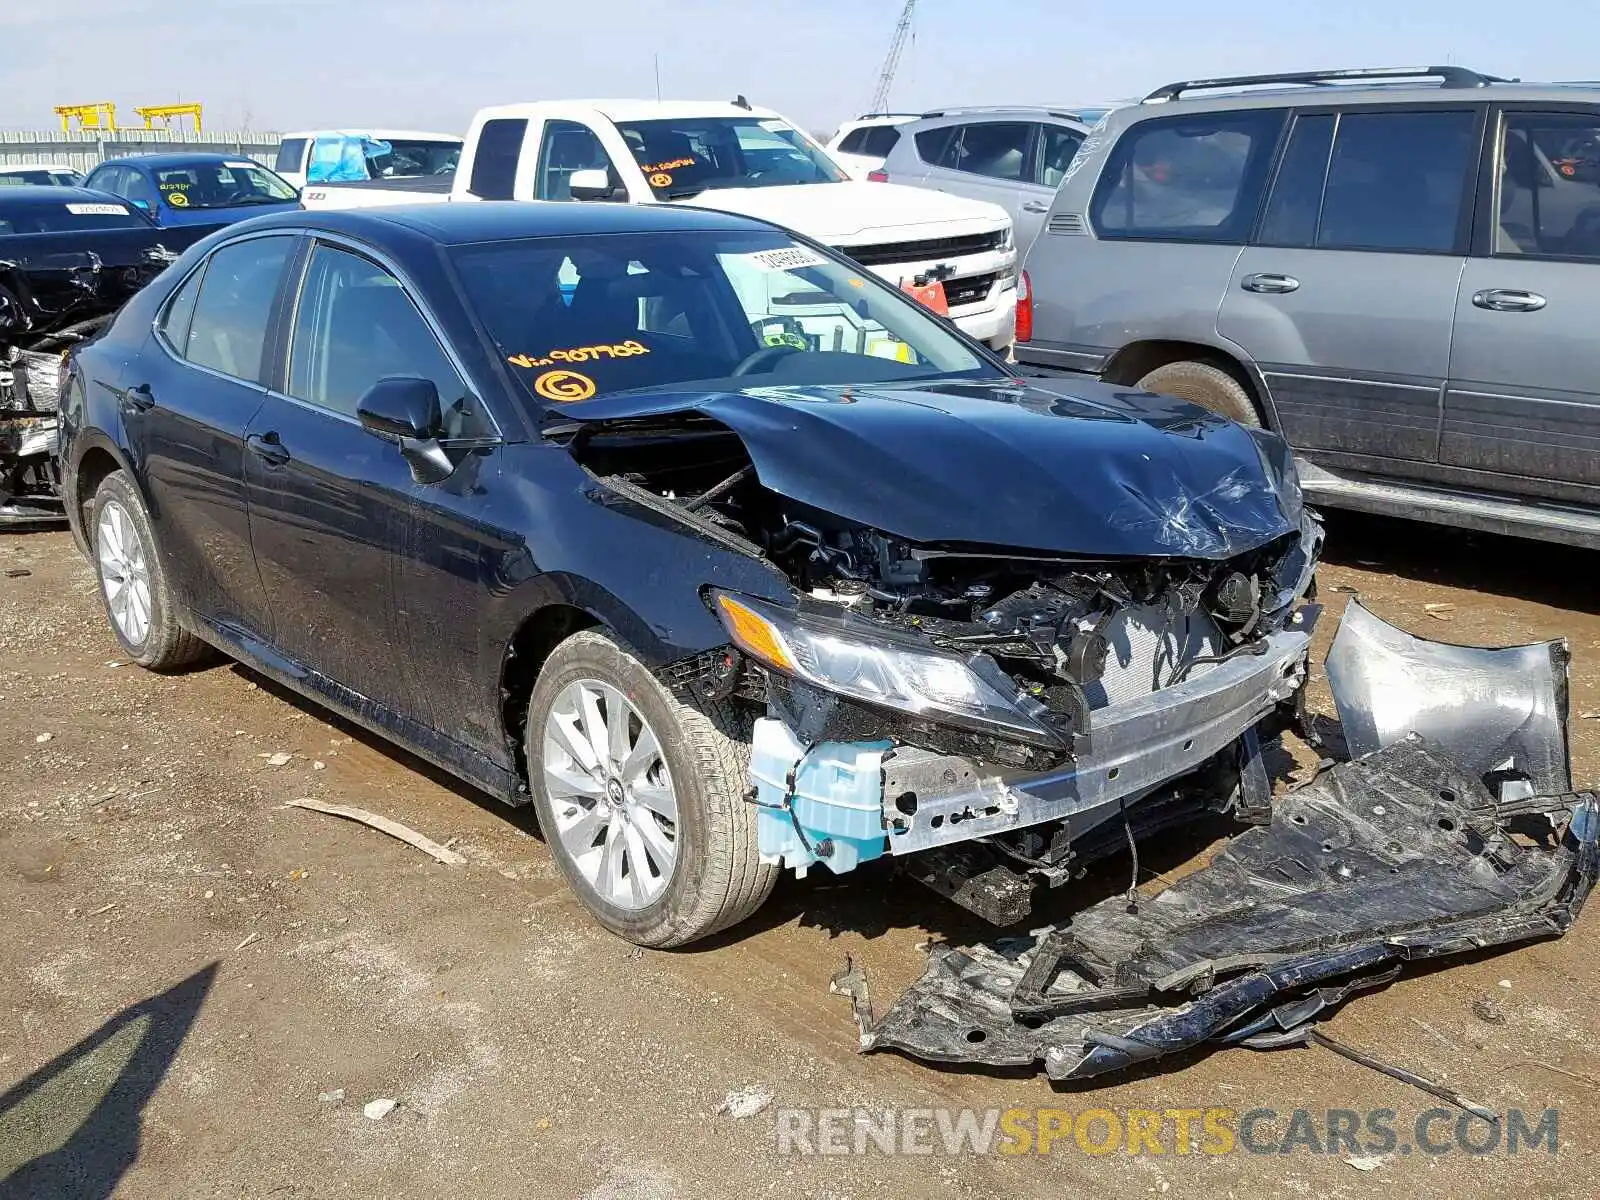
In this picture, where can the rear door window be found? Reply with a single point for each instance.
(1296, 200)
(997, 149)
(494, 163)
(1398, 181)
(1193, 178)
(229, 329)
(1549, 194)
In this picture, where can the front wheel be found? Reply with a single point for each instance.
(641, 796)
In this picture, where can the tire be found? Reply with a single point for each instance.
(715, 878)
(133, 583)
(1209, 387)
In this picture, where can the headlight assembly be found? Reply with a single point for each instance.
(827, 653)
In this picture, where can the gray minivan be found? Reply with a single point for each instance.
(1394, 268)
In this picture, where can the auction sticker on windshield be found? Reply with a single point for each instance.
(177, 200)
(564, 387)
(790, 258)
(97, 210)
(627, 349)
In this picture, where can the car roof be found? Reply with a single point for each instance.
(970, 116)
(384, 134)
(1361, 85)
(13, 167)
(158, 161)
(633, 110)
(494, 221)
(40, 194)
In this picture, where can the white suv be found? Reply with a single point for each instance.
(860, 146)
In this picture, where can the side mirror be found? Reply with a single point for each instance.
(593, 183)
(402, 406)
(142, 205)
(406, 407)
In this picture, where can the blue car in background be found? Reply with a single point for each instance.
(194, 189)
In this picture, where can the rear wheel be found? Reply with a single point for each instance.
(133, 585)
(1209, 387)
(641, 796)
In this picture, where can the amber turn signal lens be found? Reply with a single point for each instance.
(754, 634)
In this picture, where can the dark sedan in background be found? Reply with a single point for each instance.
(721, 551)
(195, 190)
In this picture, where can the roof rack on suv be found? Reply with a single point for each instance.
(875, 116)
(961, 110)
(1453, 77)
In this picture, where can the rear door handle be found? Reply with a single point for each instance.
(139, 398)
(267, 448)
(1508, 300)
(1036, 206)
(1271, 285)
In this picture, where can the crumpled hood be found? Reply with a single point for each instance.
(1101, 472)
(857, 212)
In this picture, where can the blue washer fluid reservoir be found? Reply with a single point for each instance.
(832, 813)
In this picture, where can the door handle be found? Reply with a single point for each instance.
(1508, 300)
(267, 448)
(1271, 285)
(1036, 206)
(139, 398)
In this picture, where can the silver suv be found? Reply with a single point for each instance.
(1394, 268)
(1013, 157)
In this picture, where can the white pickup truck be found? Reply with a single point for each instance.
(734, 158)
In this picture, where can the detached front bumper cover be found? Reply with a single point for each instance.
(1397, 857)
(1454, 830)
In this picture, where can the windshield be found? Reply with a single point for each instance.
(221, 185)
(682, 158)
(401, 158)
(597, 315)
(44, 176)
(71, 217)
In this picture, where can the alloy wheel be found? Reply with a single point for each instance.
(616, 811)
(124, 572)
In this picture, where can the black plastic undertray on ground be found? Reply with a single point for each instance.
(1397, 857)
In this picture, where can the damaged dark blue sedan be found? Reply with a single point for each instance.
(726, 555)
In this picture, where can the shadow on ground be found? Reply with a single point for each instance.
(71, 1130)
(1560, 576)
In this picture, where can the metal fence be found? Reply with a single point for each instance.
(81, 151)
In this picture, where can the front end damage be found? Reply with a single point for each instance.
(1401, 855)
(994, 719)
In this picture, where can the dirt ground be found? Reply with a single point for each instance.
(201, 989)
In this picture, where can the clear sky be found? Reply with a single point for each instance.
(285, 64)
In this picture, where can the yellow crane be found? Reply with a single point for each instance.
(169, 113)
(102, 115)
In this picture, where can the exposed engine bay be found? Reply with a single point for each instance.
(1064, 642)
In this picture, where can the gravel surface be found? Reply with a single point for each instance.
(210, 994)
